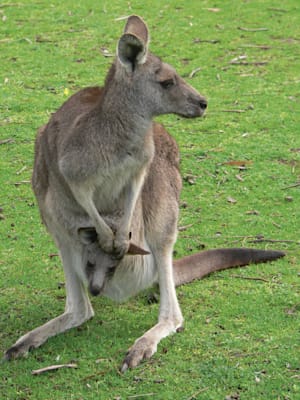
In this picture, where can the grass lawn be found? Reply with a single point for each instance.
(241, 170)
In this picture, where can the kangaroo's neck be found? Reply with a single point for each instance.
(123, 106)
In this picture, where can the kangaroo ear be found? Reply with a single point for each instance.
(87, 235)
(136, 250)
(133, 44)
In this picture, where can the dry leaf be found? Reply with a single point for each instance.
(237, 59)
(184, 228)
(239, 178)
(293, 310)
(194, 72)
(288, 199)
(213, 9)
(105, 52)
(231, 200)
(191, 179)
(238, 163)
(252, 212)
(234, 396)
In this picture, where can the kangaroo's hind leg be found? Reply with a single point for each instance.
(78, 307)
(170, 318)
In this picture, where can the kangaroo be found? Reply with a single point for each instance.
(107, 182)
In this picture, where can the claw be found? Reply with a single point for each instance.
(124, 368)
(142, 349)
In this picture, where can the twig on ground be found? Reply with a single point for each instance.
(213, 41)
(233, 111)
(291, 186)
(250, 278)
(122, 18)
(22, 183)
(51, 255)
(193, 396)
(249, 63)
(184, 228)
(277, 9)
(89, 377)
(262, 47)
(52, 368)
(136, 396)
(6, 141)
(252, 29)
(261, 240)
(249, 239)
(21, 170)
(194, 72)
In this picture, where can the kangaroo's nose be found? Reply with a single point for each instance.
(203, 104)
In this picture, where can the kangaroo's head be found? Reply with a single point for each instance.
(99, 267)
(145, 83)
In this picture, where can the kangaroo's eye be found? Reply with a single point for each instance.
(167, 84)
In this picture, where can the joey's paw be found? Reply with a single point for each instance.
(142, 349)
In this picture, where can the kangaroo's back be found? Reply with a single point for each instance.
(49, 135)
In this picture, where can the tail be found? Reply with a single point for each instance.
(202, 264)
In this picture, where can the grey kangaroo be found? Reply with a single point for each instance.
(106, 178)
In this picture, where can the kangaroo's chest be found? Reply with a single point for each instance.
(126, 172)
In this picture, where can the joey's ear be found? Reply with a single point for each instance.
(133, 44)
(87, 235)
(136, 250)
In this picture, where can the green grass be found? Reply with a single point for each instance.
(242, 335)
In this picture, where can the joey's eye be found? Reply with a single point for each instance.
(90, 267)
(111, 271)
(167, 84)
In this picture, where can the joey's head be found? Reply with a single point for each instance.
(99, 267)
(150, 86)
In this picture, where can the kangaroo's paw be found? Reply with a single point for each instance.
(116, 247)
(106, 244)
(20, 348)
(38, 336)
(121, 246)
(143, 349)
